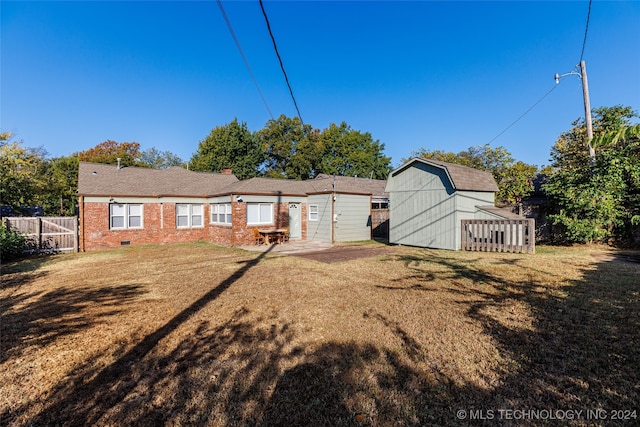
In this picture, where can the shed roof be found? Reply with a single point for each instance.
(463, 178)
(502, 212)
(109, 180)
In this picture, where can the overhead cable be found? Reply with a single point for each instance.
(523, 114)
(275, 47)
(244, 58)
(586, 30)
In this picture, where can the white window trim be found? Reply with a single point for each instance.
(190, 215)
(260, 220)
(228, 211)
(311, 212)
(125, 216)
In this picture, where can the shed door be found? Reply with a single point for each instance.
(295, 221)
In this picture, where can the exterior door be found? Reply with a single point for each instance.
(295, 221)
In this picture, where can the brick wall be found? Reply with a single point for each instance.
(159, 227)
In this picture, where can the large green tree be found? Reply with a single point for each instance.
(514, 178)
(60, 176)
(20, 173)
(290, 148)
(597, 202)
(230, 146)
(349, 152)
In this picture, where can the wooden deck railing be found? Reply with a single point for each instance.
(499, 235)
(47, 234)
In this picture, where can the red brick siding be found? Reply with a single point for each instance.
(161, 228)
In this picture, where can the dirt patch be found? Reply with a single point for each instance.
(343, 253)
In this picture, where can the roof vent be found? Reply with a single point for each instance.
(118, 159)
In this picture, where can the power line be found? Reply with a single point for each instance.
(523, 114)
(275, 47)
(586, 30)
(244, 58)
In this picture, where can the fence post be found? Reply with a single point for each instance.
(39, 233)
(76, 233)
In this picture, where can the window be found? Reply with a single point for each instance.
(189, 215)
(221, 213)
(259, 213)
(313, 212)
(124, 216)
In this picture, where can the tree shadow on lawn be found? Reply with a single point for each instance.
(39, 318)
(582, 353)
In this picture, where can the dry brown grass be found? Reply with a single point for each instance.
(201, 335)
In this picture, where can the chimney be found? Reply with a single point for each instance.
(226, 171)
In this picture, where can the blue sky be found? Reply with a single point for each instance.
(438, 75)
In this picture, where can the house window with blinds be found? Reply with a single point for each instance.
(221, 213)
(259, 213)
(123, 216)
(189, 215)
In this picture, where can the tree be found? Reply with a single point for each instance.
(594, 203)
(110, 151)
(290, 148)
(569, 151)
(20, 183)
(348, 152)
(229, 146)
(60, 175)
(514, 179)
(157, 159)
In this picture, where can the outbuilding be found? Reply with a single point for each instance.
(429, 199)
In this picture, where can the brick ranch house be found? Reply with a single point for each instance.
(120, 206)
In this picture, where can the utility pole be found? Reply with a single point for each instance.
(587, 106)
(587, 112)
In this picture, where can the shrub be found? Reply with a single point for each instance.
(12, 243)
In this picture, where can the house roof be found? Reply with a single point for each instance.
(375, 187)
(107, 180)
(463, 178)
(96, 179)
(289, 187)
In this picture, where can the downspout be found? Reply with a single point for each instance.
(233, 231)
(333, 212)
(81, 234)
(371, 216)
(333, 217)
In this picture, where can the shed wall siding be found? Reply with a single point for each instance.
(353, 218)
(425, 209)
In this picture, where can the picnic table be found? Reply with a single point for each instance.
(271, 235)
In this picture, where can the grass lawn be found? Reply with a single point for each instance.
(195, 334)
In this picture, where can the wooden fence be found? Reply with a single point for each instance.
(47, 234)
(380, 223)
(499, 235)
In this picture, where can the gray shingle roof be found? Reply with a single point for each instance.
(289, 187)
(463, 178)
(374, 186)
(107, 180)
(503, 212)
